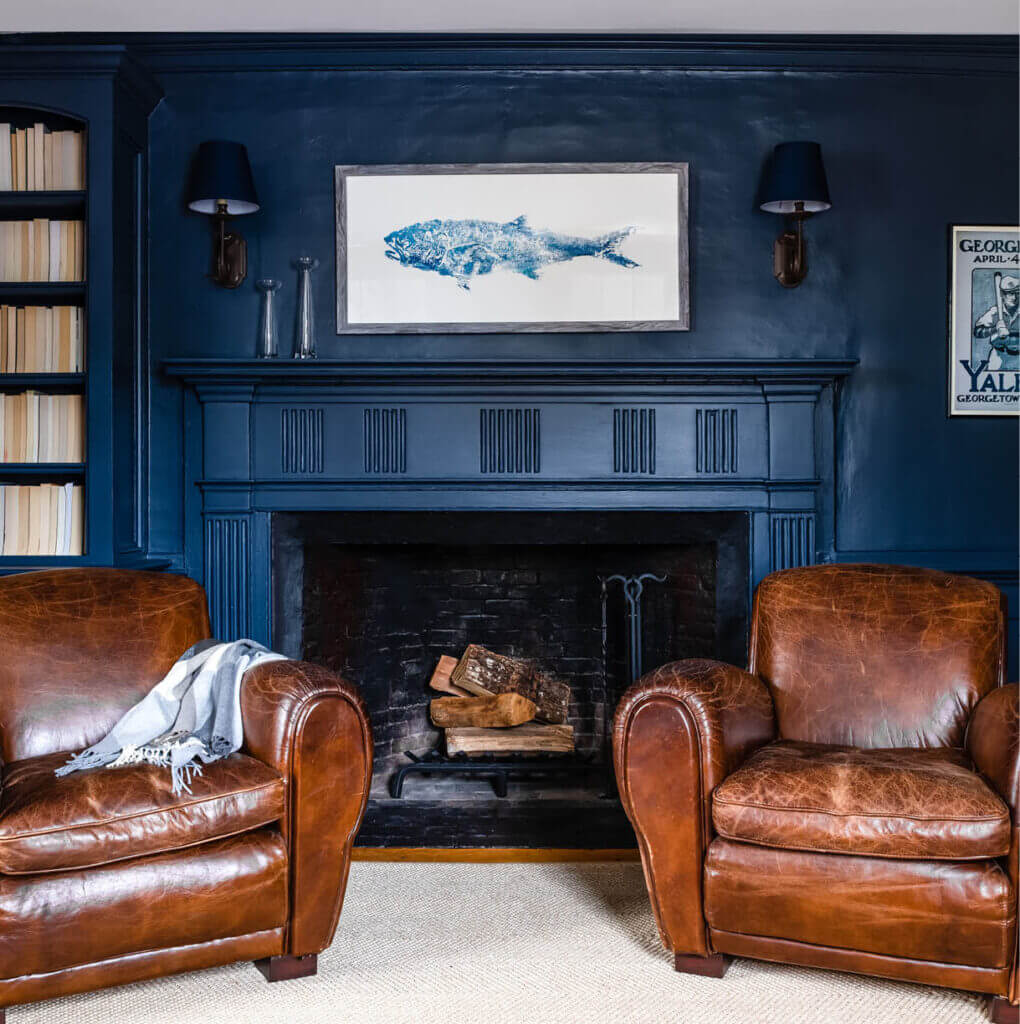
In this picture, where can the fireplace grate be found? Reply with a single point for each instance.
(498, 770)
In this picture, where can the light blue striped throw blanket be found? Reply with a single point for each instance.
(192, 716)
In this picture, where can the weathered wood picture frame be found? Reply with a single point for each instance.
(507, 248)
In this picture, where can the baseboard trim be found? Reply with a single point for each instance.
(489, 855)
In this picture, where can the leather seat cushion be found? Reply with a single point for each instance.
(926, 804)
(109, 814)
(952, 913)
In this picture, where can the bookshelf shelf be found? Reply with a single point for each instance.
(42, 293)
(26, 563)
(45, 471)
(49, 203)
(63, 382)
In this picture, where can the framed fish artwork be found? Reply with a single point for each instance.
(472, 248)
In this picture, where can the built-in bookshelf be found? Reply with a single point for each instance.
(43, 336)
(74, 359)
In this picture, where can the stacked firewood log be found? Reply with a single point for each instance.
(499, 704)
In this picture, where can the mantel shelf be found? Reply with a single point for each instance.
(502, 371)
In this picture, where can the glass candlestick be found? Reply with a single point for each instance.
(267, 344)
(304, 323)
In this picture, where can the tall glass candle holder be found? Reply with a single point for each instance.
(304, 323)
(267, 344)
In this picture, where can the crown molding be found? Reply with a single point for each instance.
(180, 53)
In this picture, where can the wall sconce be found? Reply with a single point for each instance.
(795, 186)
(222, 186)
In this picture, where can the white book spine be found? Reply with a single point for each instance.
(65, 540)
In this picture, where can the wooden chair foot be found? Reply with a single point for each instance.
(707, 966)
(1000, 1011)
(285, 968)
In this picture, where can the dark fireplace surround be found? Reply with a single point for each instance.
(372, 517)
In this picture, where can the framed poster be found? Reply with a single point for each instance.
(512, 247)
(984, 321)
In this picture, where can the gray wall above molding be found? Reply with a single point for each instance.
(822, 16)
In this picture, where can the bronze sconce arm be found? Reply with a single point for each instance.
(789, 256)
(230, 256)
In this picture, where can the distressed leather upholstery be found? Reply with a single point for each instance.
(850, 801)
(78, 648)
(677, 735)
(947, 911)
(993, 741)
(874, 655)
(97, 817)
(106, 877)
(913, 804)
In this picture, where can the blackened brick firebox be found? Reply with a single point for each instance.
(380, 596)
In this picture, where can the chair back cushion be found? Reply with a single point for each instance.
(876, 655)
(78, 647)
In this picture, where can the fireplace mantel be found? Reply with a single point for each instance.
(505, 371)
(274, 436)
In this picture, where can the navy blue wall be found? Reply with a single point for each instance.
(911, 146)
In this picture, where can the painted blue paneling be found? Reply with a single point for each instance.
(905, 126)
(913, 139)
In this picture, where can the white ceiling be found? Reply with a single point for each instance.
(711, 16)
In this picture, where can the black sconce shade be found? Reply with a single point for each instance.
(795, 175)
(221, 172)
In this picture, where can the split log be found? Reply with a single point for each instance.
(497, 712)
(522, 739)
(441, 678)
(483, 672)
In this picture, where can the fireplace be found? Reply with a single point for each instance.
(379, 597)
(711, 472)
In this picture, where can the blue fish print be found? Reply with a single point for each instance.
(463, 249)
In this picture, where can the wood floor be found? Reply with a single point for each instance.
(489, 855)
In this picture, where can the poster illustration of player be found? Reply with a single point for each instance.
(984, 326)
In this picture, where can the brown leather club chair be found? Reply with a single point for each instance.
(850, 801)
(106, 876)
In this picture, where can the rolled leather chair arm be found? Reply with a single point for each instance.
(312, 727)
(678, 732)
(993, 741)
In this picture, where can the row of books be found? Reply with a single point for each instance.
(42, 339)
(42, 428)
(37, 159)
(42, 519)
(42, 250)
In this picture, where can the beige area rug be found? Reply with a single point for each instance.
(506, 944)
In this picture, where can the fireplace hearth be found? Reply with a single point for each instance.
(380, 597)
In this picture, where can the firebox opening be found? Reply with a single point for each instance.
(380, 596)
